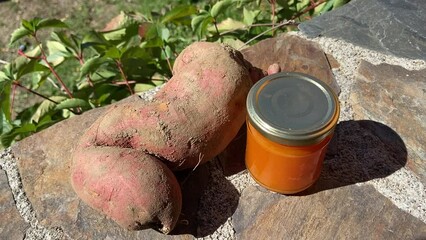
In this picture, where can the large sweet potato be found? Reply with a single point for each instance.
(130, 186)
(191, 120)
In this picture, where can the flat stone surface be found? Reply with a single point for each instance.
(44, 161)
(293, 54)
(341, 204)
(365, 162)
(396, 97)
(350, 212)
(392, 27)
(16, 226)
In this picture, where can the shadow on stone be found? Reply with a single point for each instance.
(209, 199)
(232, 159)
(360, 151)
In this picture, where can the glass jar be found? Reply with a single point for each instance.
(291, 119)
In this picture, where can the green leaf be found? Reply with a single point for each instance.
(219, 7)
(142, 87)
(95, 40)
(73, 103)
(50, 23)
(338, 3)
(3, 76)
(35, 52)
(178, 13)
(91, 65)
(58, 48)
(136, 52)
(228, 24)
(116, 34)
(112, 52)
(22, 131)
(45, 107)
(103, 74)
(30, 67)
(197, 20)
(5, 125)
(164, 33)
(19, 33)
(200, 23)
(28, 25)
(250, 16)
(5, 92)
(72, 45)
(45, 122)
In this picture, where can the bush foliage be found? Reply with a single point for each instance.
(134, 53)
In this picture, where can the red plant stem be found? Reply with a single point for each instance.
(312, 6)
(167, 59)
(44, 57)
(120, 67)
(17, 84)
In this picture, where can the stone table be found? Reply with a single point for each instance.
(371, 186)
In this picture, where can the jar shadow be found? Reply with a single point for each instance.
(360, 151)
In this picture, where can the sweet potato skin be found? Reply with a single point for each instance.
(130, 186)
(134, 145)
(192, 118)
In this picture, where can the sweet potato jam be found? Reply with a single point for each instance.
(290, 122)
(282, 168)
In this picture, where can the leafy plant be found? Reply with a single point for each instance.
(134, 53)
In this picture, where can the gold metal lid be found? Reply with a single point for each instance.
(293, 108)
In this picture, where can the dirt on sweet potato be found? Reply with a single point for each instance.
(133, 188)
(192, 118)
(122, 164)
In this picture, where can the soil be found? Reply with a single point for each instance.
(80, 15)
(77, 13)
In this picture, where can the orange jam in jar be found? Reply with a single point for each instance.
(291, 119)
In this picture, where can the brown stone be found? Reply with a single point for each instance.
(44, 162)
(350, 212)
(293, 54)
(12, 226)
(396, 97)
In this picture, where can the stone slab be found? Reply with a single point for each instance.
(350, 212)
(293, 54)
(391, 27)
(12, 225)
(396, 97)
(44, 163)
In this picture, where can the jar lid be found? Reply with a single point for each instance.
(293, 108)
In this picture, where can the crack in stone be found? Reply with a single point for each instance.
(36, 230)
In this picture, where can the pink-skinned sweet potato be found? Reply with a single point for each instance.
(191, 120)
(133, 188)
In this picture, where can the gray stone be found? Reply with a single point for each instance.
(350, 212)
(390, 26)
(396, 97)
(12, 225)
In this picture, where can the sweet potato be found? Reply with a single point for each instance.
(193, 117)
(130, 186)
(191, 120)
